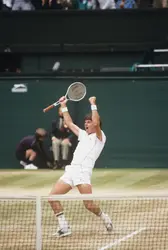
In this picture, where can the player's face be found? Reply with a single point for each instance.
(89, 127)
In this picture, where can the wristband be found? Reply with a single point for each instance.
(65, 109)
(93, 107)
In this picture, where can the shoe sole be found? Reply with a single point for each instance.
(110, 229)
(62, 235)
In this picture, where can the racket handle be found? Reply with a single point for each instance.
(51, 106)
(48, 108)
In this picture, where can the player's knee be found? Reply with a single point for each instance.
(88, 205)
(50, 200)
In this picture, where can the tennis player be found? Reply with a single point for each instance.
(78, 173)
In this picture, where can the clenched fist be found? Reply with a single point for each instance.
(92, 100)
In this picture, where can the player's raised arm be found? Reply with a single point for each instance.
(95, 117)
(67, 118)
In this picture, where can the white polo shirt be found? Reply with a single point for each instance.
(88, 150)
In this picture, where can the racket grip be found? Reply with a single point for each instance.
(48, 108)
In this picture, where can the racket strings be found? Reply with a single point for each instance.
(77, 91)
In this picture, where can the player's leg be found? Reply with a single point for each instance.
(60, 188)
(94, 208)
(89, 204)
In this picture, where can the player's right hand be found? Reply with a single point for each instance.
(63, 100)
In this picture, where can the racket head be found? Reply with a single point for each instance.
(76, 91)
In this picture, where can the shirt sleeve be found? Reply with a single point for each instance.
(82, 133)
(103, 137)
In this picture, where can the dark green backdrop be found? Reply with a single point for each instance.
(134, 115)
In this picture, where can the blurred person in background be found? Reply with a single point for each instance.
(6, 5)
(165, 3)
(126, 4)
(159, 3)
(59, 4)
(96, 4)
(61, 141)
(143, 4)
(30, 151)
(106, 4)
(152, 3)
(37, 4)
(25, 5)
(88, 4)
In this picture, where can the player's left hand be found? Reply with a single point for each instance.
(92, 100)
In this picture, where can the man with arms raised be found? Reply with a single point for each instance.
(90, 145)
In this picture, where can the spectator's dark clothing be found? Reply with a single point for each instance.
(37, 4)
(5, 8)
(145, 4)
(54, 5)
(59, 131)
(20, 5)
(30, 142)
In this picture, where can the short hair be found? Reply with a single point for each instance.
(89, 117)
(40, 133)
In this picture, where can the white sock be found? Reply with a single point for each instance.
(62, 221)
(103, 216)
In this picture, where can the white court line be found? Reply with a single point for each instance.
(117, 242)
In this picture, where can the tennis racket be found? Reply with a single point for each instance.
(75, 92)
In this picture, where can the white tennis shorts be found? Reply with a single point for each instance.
(75, 175)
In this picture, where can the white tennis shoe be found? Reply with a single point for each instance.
(28, 166)
(62, 232)
(31, 166)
